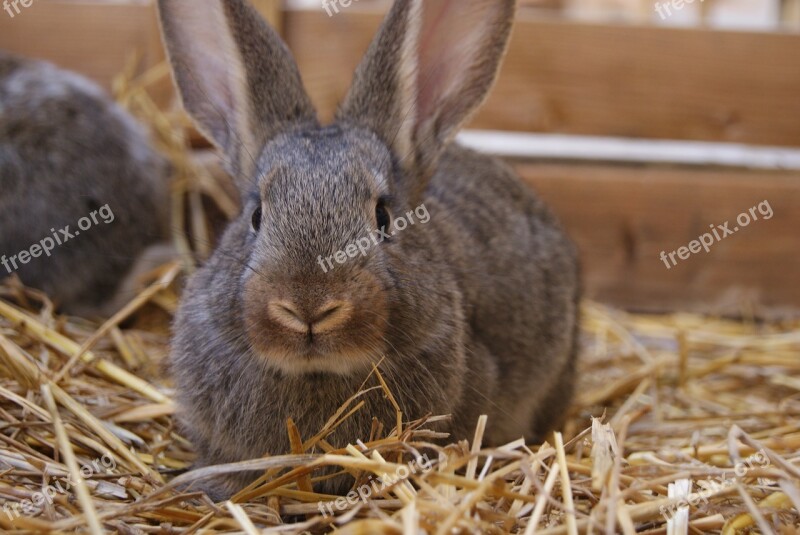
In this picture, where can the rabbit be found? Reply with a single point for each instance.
(474, 312)
(84, 197)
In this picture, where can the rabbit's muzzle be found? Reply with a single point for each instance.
(311, 327)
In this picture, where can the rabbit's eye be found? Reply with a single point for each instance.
(382, 216)
(257, 215)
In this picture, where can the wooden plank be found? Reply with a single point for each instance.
(328, 59)
(588, 79)
(560, 77)
(95, 39)
(623, 217)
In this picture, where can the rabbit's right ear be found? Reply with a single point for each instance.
(235, 75)
(428, 70)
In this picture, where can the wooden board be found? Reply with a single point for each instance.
(560, 77)
(588, 79)
(97, 39)
(623, 217)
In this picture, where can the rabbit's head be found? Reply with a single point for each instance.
(320, 265)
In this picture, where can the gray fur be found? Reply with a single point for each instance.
(472, 313)
(65, 150)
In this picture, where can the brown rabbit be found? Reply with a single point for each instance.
(473, 312)
(82, 192)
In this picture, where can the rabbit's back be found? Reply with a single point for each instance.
(68, 152)
(518, 273)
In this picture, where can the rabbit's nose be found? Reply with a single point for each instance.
(326, 318)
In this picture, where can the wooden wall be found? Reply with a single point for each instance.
(623, 217)
(590, 79)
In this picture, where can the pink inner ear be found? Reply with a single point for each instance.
(452, 34)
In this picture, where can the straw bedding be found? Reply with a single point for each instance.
(681, 424)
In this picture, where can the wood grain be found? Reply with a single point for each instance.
(622, 217)
(559, 77)
(94, 39)
(98, 39)
(591, 79)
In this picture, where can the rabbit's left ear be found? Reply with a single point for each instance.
(235, 75)
(430, 67)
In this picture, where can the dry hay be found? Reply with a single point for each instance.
(671, 410)
(687, 398)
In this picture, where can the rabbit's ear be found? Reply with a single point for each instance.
(430, 67)
(235, 75)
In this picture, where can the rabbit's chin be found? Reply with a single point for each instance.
(345, 363)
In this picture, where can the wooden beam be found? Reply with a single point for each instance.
(592, 79)
(623, 217)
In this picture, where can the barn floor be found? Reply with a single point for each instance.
(711, 404)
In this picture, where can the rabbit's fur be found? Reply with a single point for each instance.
(67, 150)
(473, 313)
